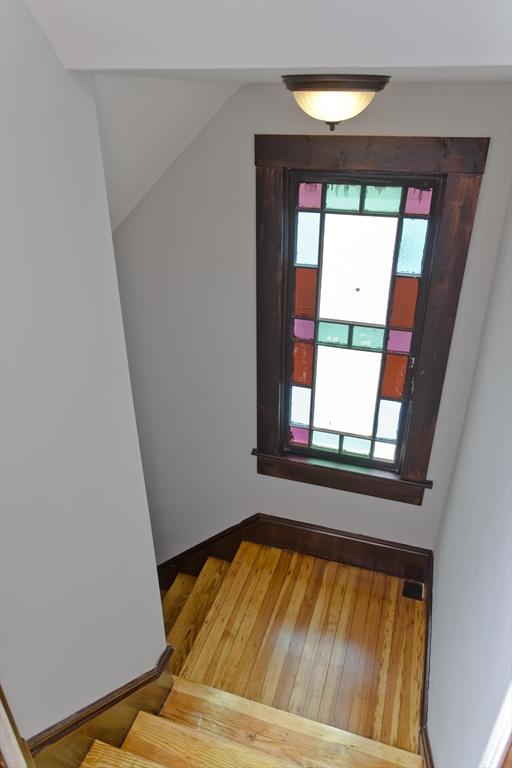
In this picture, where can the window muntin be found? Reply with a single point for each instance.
(359, 261)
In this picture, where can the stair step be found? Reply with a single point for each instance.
(172, 744)
(175, 598)
(304, 742)
(200, 663)
(103, 755)
(202, 595)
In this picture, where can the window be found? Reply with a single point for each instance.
(361, 251)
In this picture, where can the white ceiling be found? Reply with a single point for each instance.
(164, 67)
(400, 37)
(145, 123)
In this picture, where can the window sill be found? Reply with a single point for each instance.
(344, 477)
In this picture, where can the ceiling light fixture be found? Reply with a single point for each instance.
(333, 98)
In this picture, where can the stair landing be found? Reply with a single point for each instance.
(330, 642)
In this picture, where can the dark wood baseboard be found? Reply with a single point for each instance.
(55, 732)
(389, 557)
(425, 749)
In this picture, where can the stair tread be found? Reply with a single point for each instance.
(175, 598)
(199, 601)
(102, 755)
(176, 745)
(305, 742)
(208, 638)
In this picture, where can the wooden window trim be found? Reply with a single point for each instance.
(460, 162)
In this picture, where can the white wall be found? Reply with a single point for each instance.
(471, 662)
(186, 264)
(80, 601)
(145, 123)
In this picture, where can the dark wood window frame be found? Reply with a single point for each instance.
(459, 164)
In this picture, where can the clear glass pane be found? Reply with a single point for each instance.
(372, 338)
(346, 390)
(310, 195)
(343, 197)
(356, 445)
(303, 329)
(333, 333)
(389, 414)
(418, 201)
(301, 402)
(383, 199)
(308, 234)
(357, 263)
(399, 341)
(326, 440)
(299, 436)
(384, 451)
(412, 246)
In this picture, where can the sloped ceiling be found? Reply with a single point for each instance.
(145, 123)
(261, 34)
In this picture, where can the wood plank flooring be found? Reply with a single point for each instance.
(330, 642)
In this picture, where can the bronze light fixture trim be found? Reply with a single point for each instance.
(333, 98)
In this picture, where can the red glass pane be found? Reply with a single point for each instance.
(393, 380)
(302, 363)
(405, 296)
(305, 291)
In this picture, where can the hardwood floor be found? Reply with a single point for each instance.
(330, 642)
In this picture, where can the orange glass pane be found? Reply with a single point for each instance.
(302, 363)
(405, 296)
(305, 291)
(393, 380)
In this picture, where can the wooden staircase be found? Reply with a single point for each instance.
(274, 631)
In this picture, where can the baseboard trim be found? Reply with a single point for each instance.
(55, 732)
(425, 748)
(389, 557)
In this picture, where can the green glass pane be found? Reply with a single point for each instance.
(383, 199)
(412, 246)
(333, 333)
(357, 445)
(370, 338)
(343, 197)
(326, 440)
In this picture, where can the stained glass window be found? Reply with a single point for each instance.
(359, 254)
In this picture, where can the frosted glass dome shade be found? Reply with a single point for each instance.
(333, 98)
(333, 106)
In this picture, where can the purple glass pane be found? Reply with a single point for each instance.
(303, 329)
(310, 195)
(299, 436)
(418, 200)
(399, 341)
